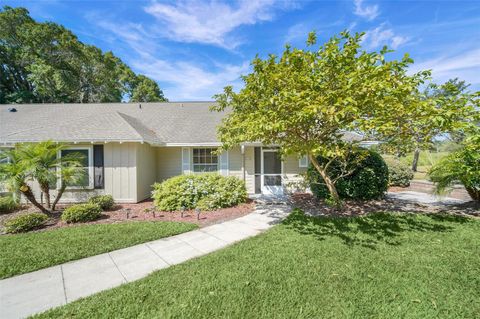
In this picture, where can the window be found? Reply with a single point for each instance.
(86, 160)
(205, 160)
(303, 161)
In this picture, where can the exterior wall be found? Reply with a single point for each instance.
(169, 162)
(235, 166)
(146, 170)
(120, 161)
(291, 178)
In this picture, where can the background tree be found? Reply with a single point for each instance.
(305, 100)
(46, 63)
(439, 110)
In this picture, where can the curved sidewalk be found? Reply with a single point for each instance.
(35, 292)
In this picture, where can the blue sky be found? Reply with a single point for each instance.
(194, 48)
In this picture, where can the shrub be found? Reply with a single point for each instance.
(399, 174)
(8, 204)
(211, 191)
(81, 213)
(25, 222)
(106, 202)
(369, 179)
(461, 166)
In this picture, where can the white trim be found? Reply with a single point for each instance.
(89, 148)
(217, 144)
(304, 158)
(186, 160)
(224, 163)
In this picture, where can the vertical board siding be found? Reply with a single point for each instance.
(169, 162)
(120, 171)
(146, 170)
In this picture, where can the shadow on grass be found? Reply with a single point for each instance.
(372, 229)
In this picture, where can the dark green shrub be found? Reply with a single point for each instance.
(25, 222)
(81, 213)
(8, 205)
(190, 190)
(369, 179)
(399, 174)
(106, 202)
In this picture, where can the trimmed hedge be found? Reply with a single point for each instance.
(368, 181)
(81, 213)
(106, 202)
(399, 174)
(204, 191)
(25, 222)
(8, 204)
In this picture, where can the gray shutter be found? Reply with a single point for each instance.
(224, 163)
(186, 160)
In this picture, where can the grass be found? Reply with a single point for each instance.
(22, 253)
(386, 265)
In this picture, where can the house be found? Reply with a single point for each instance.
(130, 146)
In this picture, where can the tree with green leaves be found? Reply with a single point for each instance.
(438, 109)
(39, 162)
(306, 100)
(46, 63)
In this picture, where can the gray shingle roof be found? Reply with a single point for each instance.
(153, 123)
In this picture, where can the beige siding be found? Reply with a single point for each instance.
(169, 162)
(292, 180)
(146, 170)
(235, 166)
(250, 169)
(120, 171)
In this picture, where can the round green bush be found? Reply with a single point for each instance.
(25, 222)
(8, 204)
(210, 191)
(81, 213)
(399, 174)
(106, 202)
(369, 179)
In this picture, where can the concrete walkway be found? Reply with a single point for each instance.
(423, 198)
(41, 290)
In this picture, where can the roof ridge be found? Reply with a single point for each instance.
(122, 116)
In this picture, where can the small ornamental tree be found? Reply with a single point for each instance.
(305, 100)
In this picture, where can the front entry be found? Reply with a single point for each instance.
(271, 172)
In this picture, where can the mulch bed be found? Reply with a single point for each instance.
(315, 207)
(144, 211)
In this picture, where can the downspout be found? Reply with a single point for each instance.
(242, 150)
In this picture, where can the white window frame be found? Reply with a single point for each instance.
(303, 161)
(89, 148)
(205, 164)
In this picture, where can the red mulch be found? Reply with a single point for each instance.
(315, 207)
(144, 211)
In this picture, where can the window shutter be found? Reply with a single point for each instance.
(186, 160)
(303, 161)
(98, 167)
(224, 163)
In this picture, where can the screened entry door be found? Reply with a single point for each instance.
(271, 177)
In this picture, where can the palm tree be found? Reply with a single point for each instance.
(40, 162)
(15, 174)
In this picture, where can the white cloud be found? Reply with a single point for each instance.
(211, 22)
(465, 65)
(381, 36)
(297, 31)
(366, 11)
(188, 81)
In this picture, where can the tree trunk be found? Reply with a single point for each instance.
(59, 195)
(31, 198)
(328, 181)
(46, 190)
(416, 155)
(474, 193)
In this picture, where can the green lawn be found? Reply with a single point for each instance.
(381, 266)
(23, 253)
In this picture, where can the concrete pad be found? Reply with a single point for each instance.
(31, 293)
(202, 241)
(173, 250)
(137, 262)
(424, 198)
(90, 275)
